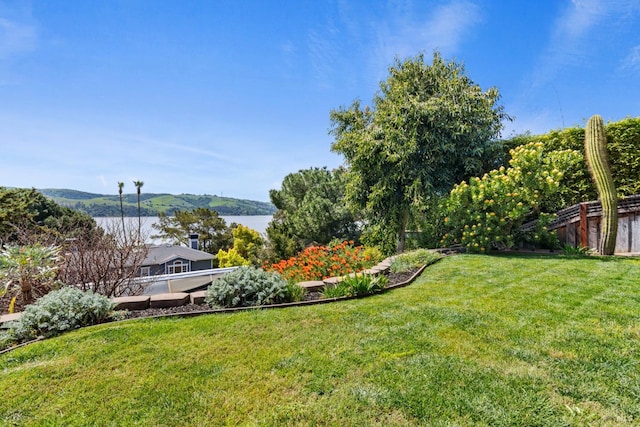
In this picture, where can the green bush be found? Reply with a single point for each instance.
(248, 286)
(338, 290)
(488, 212)
(364, 284)
(414, 259)
(296, 292)
(623, 146)
(354, 285)
(60, 311)
(577, 251)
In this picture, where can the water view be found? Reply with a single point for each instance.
(256, 222)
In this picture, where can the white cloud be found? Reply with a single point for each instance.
(377, 36)
(632, 61)
(16, 38)
(576, 34)
(406, 34)
(323, 49)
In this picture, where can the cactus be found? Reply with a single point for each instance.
(595, 147)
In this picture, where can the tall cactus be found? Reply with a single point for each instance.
(595, 147)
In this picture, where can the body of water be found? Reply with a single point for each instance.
(256, 222)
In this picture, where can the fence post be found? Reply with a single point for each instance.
(584, 226)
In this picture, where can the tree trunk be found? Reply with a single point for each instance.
(25, 290)
(402, 232)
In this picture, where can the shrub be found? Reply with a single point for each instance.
(490, 210)
(577, 251)
(60, 311)
(358, 284)
(231, 258)
(248, 286)
(414, 259)
(364, 284)
(338, 290)
(29, 271)
(295, 291)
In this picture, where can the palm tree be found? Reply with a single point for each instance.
(139, 185)
(124, 229)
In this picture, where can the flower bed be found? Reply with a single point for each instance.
(320, 262)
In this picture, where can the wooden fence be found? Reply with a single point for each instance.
(579, 225)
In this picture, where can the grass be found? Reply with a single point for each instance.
(477, 340)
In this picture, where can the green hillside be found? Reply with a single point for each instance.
(98, 205)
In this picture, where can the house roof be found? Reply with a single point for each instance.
(161, 254)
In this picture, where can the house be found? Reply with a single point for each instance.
(168, 259)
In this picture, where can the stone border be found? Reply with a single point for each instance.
(256, 307)
(289, 304)
(177, 299)
(143, 302)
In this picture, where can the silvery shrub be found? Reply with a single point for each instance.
(59, 311)
(247, 286)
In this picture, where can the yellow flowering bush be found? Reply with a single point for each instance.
(489, 210)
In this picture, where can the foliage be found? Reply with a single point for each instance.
(336, 290)
(475, 341)
(430, 127)
(320, 262)
(414, 259)
(311, 210)
(537, 235)
(355, 285)
(364, 284)
(623, 147)
(247, 242)
(25, 213)
(29, 271)
(295, 291)
(59, 311)
(426, 225)
(247, 286)
(231, 258)
(152, 204)
(213, 233)
(247, 246)
(371, 254)
(578, 251)
(490, 210)
(595, 150)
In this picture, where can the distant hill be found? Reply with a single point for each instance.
(98, 205)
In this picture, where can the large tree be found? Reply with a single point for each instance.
(430, 127)
(311, 209)
(27, 216)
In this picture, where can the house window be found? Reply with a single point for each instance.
(145, 271)
(177, 267)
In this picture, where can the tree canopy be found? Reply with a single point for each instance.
(26, 212)
(311, 209)
(430, 127)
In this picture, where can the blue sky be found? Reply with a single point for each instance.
(227, 97)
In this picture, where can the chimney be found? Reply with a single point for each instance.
(193, 241)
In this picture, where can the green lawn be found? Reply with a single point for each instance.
(477, 340)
